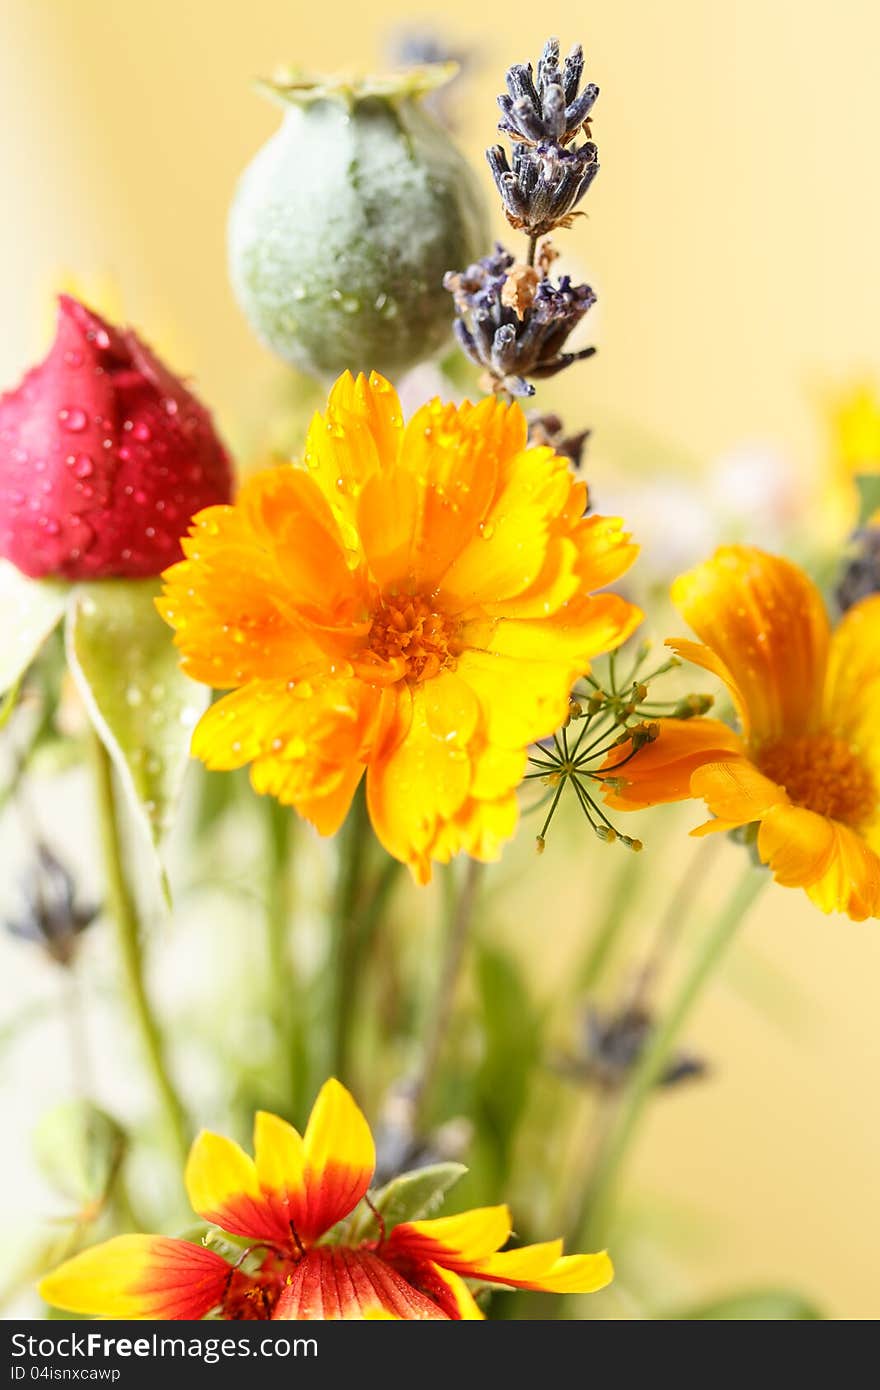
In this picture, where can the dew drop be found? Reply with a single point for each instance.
(72, 418)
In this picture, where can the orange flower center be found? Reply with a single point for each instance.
(412, 638)
(823, 774)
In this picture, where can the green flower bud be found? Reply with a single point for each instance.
(344, 224)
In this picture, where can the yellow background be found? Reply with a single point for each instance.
(733, 238)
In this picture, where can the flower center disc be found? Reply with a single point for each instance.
(822, 774)
(412, 638)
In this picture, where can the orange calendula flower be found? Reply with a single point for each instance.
(805, 769)
(281, 1204)
(414, 602)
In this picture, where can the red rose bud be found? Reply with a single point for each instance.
(104, 457)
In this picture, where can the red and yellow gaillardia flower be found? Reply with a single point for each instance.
(285, 1202)
(805, 769)
(414, 602)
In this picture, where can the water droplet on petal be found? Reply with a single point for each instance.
(73, 418)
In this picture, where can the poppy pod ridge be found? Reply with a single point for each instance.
(804, 767)
(285, 1203)
(413, 602)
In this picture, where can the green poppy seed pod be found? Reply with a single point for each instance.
(344, 224)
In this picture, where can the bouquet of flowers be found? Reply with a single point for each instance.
(316, 699)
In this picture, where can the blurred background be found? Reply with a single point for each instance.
(732, 239)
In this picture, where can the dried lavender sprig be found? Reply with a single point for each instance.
(547, 174)
(547, 108)
(514, 322)
(543, 185)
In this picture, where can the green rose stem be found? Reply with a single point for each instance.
(125, 915)
(592, 1223)
(460, 920)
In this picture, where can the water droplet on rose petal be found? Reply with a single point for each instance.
(72, 418)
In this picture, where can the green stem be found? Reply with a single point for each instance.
(461, 915)
(353, 840)
(124, 913)
(593, 1220)
(283, 986)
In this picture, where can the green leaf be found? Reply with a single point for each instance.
(868, 485)
(29, 610)
(759, 1305)
(142, 706)
(78, 1148)
(410, 1197)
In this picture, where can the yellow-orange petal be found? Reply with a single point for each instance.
(764, 619)
(139, 1277)
(227, 604)
(521, 701)
(508, 554)
(851, 881)
(358, 433)
(455, 1242)
(308, 745)
(480, 829)
(661, 771)
(419, 786)
(338, 1284)
(587, 625)
(416, 518)
(292, 521)
(735, 791)
(797, 844)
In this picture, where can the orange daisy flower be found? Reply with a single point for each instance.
(805, 769)
(414, 601)
(284, 1204)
